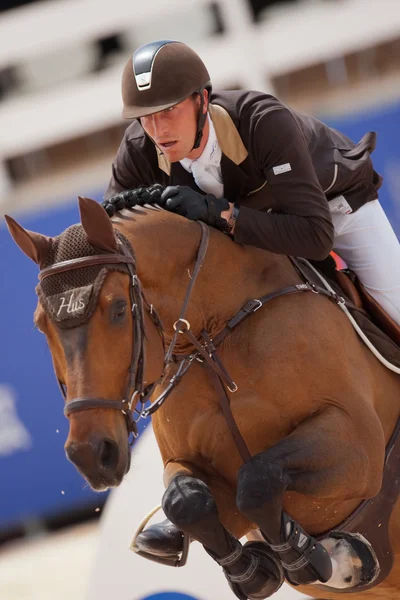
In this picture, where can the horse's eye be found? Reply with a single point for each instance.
(118, 311)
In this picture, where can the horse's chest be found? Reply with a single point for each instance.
(203, 435)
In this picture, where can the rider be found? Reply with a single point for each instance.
(247, 164)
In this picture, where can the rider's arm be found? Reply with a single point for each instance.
(300, 223)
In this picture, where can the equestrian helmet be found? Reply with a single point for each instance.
(159, 75)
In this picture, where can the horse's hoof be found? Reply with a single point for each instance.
(161, 539)
(266, 579)
(355, 562)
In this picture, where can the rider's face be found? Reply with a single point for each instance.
(174, 129)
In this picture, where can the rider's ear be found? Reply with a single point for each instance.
(206, 100)
(97, 225)
(35, 245)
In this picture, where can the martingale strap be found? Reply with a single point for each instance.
(205, 237)
(206, 351)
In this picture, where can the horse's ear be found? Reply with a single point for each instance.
(35, 245)
(97, 225)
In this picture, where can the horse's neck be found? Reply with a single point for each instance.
(166, 248)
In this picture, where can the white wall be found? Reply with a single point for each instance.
(119, 573)
(248, 55)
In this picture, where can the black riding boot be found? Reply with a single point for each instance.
(162, 539)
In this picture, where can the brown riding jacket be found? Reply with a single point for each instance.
(280, 167)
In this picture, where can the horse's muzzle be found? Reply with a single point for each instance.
(99, 460)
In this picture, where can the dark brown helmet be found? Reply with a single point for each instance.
(159, 75)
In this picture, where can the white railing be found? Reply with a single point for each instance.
(43, 27)
(247, 54)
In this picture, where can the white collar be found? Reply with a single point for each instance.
(211, 154)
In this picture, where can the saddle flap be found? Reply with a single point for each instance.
(356, 292)
(382, 332)
(380, 316)
(344, 279)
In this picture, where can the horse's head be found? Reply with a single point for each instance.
(100, 333)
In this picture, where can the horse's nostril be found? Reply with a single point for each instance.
(109, 454)
(72, 452)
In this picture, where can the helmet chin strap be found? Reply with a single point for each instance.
(201, 120)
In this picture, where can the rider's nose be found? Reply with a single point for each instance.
(159, 128)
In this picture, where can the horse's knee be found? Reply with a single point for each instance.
(260, 481)
(188, 500)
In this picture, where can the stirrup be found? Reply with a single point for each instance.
(178, 560)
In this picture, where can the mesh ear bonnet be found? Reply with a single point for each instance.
(69, 298)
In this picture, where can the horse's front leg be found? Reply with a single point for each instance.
(327, 458)
(251, 570)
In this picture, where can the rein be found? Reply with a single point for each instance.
(205, 347)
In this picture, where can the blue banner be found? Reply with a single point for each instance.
(37, 480)
(385, 120)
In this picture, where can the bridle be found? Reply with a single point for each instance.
(205, 349)
(135, 386)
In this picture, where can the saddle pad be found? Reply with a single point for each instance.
(378, 338)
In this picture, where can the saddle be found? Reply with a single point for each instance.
(358, 295)
(377, 325)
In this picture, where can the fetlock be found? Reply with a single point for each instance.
(251, 570)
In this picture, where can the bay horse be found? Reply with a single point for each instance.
(310, 405)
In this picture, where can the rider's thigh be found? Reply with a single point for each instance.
(366, 241)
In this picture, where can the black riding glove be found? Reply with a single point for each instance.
(183, 200)
(139, 196)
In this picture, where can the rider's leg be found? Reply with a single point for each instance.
(162, 539)
(366, 241)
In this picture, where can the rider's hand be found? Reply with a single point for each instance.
(183, 200)
(139, 196)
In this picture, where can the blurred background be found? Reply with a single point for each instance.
(60, 126)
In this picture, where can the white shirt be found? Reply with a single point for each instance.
(206, 169)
